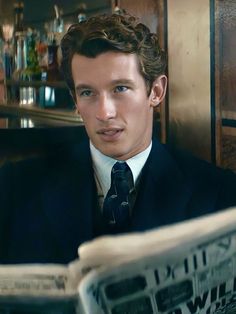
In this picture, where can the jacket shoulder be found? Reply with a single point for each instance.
(206, 178)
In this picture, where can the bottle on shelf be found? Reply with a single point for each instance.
(30, 64)
(20, 66)
(32, 70)
(81, 14)
(53, 73)
(2, 72)
(48, 94)
(18, 17)
(19, 51)
(58, 23)
(41, 48)
(19, 30)
(7, 57)
(26, 59)
(27, 67)
(7, 49)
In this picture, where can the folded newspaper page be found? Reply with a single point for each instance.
(189, 267)
(37, 289)
(185, 268)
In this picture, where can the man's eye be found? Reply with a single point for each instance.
(120, 89)
(85, 93)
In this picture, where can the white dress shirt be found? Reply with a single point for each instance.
(103, 164)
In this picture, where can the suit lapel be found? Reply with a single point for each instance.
(163, 191)
(68, 199)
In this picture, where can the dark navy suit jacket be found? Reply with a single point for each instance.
(48, 205)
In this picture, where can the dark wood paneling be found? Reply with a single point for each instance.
(152, 13)
(146, 10)
(225, 78)
(227, 52)
(228, 152)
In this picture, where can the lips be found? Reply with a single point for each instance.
(110, 134)
(109, 131)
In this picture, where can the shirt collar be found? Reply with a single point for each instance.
(103, 164)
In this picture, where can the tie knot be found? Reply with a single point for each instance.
(120, 167)
(122, 172)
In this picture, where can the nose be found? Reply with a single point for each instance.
(106, 108)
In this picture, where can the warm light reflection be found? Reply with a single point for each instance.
(7, 30)
(27, 96)
(26, 123)
(49, 95)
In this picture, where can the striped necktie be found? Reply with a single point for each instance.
(116, 207)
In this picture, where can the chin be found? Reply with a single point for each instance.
(114, 153)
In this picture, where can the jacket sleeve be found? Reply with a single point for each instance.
(227, 193)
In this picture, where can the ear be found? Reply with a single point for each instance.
(158, 90)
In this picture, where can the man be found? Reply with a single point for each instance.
(115, 70)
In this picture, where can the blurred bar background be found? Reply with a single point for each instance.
(199, 112)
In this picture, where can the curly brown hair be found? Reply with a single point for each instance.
(121, 33)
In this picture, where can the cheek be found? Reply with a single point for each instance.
(88, 119)
(141, 110)
(82, 110)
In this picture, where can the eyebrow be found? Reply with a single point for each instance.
(82, 86)
(122, 81)
(113, 82)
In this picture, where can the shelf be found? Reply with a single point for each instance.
(37, 84)
(64, 115)
(54, 114)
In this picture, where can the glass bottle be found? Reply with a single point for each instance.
(27, 67)
(7, 49)
(2, 74)
(20, 65)
(53, 73)
(18, 17)
(47, 94)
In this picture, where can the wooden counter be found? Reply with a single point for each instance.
(50, 117)
(26, 132)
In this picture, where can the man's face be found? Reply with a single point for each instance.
(112, 99)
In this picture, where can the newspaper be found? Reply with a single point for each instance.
(185, 268)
